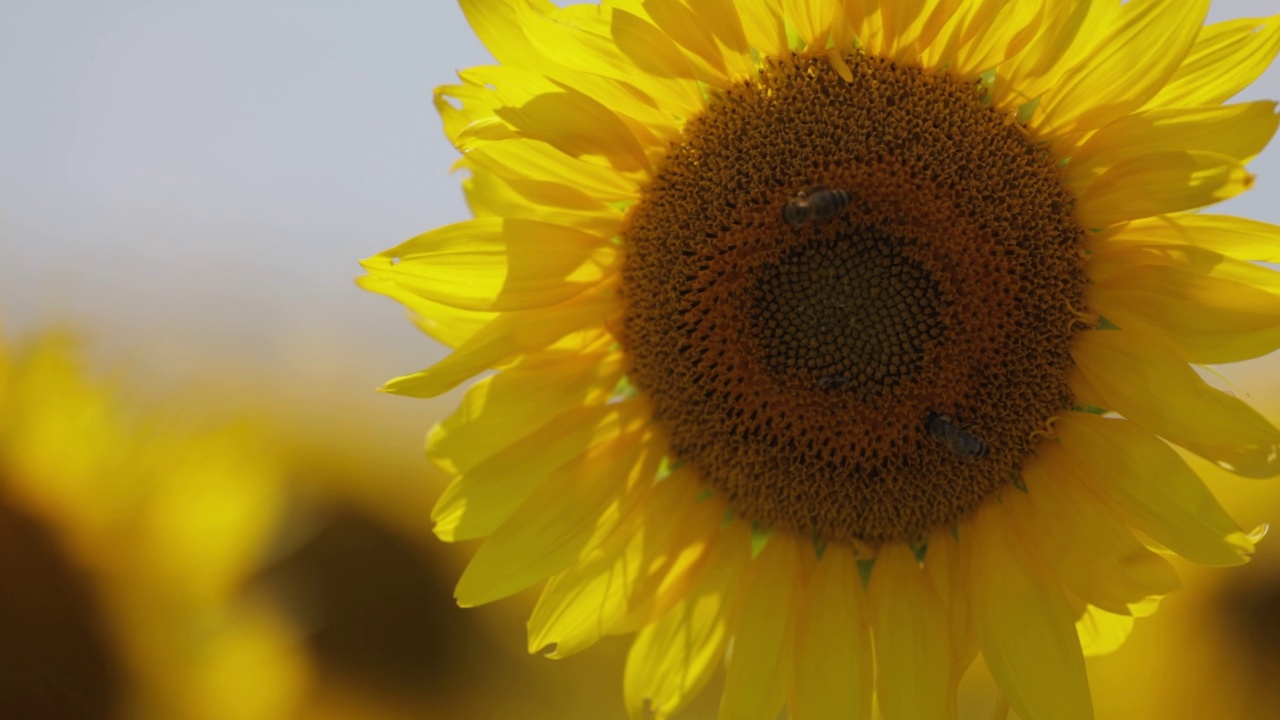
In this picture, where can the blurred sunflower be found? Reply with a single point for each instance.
(1215, 653)
(839, 335)
(125, 541)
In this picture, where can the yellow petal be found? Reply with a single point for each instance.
(674, 656)
(1236, 131)
(1153, 488)
(1092, 551)
(1141, 50)
(1058, 44)
(1146, 381)
(762, 23)
(577, 506)
(812, 19)
(913, 656)
(582, 38)
(490, 196)
(1113, 259)
(933, 21)
(523, 34)
(861, 26)
(583, 603)
(1231, 236)
(958, 31)
(721, 19)
(980, 35)
(759, 672)
(1101, 632)
(449, 325)
(578, 125)
(467, 114)
(497, 25)
(674, 574)
(541, 172)
(490, 490)
(510, 334)
(946, 565)
(1210, 320)
(503, 408)
(1161, 183)
(1025, 626)
(681, 24)
(497, 264)
(833, 661)
(1224, 60)
(492, 94)
(896, 20)
(1010, 30)
(653, 51)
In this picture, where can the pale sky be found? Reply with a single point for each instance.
(195, 180)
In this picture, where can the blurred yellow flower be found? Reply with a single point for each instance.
(838, 335)
(126, 538)
(1215, 653)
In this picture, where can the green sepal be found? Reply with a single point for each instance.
(920, 551)
(759, 538)
(819, 546)
(864, 571)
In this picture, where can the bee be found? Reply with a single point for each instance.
(966, 446)
(814, 204)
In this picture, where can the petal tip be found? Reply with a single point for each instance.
(1255, 536)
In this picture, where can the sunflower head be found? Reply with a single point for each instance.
(829, 320)
(806, 367)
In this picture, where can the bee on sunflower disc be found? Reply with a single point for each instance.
(965, 445)
(817, 203)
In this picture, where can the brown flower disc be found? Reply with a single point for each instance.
(795, 367)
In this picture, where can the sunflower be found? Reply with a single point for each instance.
(838, 342)
(126, 538)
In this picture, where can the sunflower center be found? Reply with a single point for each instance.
(849, 313)
(851, 301)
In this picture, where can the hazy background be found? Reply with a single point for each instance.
(199, 178)
(192, 183)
